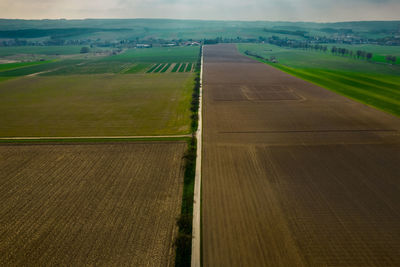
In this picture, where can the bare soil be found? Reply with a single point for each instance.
(294, 174)
(111, 204)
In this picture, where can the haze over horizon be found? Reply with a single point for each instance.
(270, 10)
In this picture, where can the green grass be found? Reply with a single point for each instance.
(373, 84)
(17, 65)
(4, 78)
(89, 67)
(40, 50)
(157, 55)
(175, 69)
(138, 68)
(182, 68)
(46, 66)
(298, 58)
(96, 105)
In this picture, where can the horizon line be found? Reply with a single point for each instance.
(216, 20)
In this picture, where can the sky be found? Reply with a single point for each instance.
(271, 10)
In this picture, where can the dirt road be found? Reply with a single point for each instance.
(293, 174)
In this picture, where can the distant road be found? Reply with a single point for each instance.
(293, 174)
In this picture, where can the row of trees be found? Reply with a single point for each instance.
(390, 58)
(347, 52)
(296, 44)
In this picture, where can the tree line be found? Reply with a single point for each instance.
(390, 58)
(347, 52)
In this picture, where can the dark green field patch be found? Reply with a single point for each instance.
(166, 68)
(138, 68)
(40, 50)
(157, 70)
(47, 66)
(17, 65)
(182, 68)
(153, 68)
(89, 67)
(176, 67)
(188, 67)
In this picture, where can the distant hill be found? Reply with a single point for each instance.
(168, 29)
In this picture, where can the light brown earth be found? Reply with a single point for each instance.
(111, 204)
(293, 174)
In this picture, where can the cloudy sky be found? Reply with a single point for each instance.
(284, 10)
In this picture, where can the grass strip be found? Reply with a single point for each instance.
(175, 69)
(153, 68)
(91, 140)
(166, 68)
(183, 241)
(182, 68)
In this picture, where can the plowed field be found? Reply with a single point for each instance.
(111, 204)
(294, 174)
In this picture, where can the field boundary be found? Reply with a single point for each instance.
(95, 138)
(196, 234)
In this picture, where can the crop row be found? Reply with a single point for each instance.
(170, 67)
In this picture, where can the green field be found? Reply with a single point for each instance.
(158, 55)
(96, 105)
(105, 95)
(17, 65)
(40, 50)
(175, 68)
(125, 62)
(379, 52)
(137, 68)
(129, 61)
(372, 83)
(159, 68)
(166, 68)
(46, 66)
(182, 67)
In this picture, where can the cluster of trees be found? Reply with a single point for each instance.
(85, 50)
(51, 41)
(249, 53)
(318, 47)
(289, 32)
(347, 52)
(296, 44)
(390, 58)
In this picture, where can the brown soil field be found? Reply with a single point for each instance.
(110, 204)
(293, 174)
